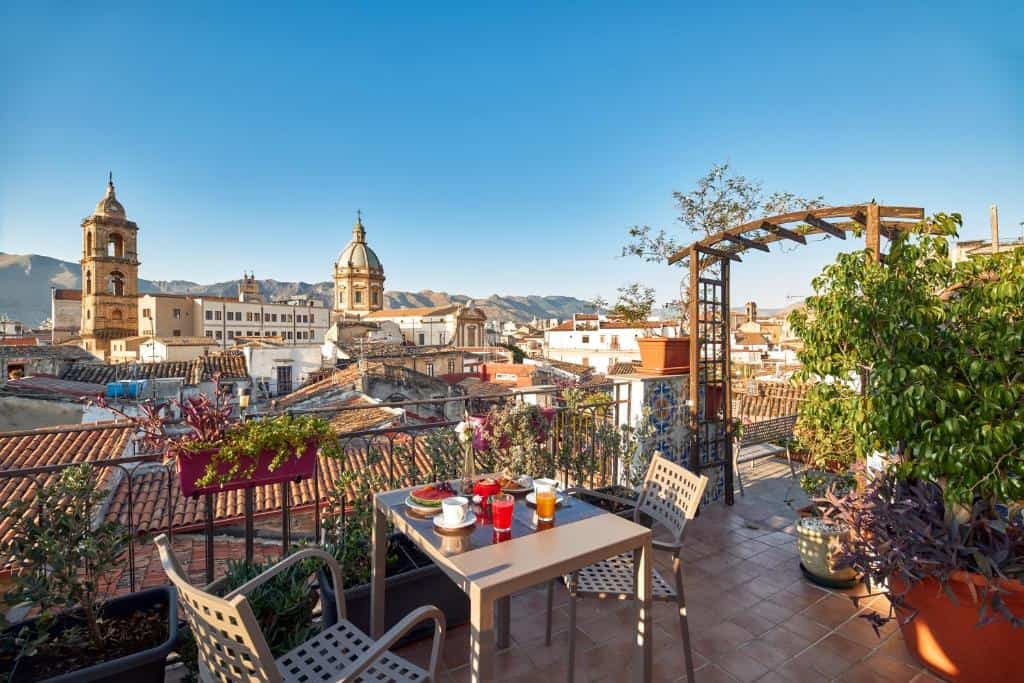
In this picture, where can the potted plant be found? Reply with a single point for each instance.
(63, 559)
(216, 452)
(817, 537)
(658, 355)
(937, 350)
(518, 438)
(412, 579)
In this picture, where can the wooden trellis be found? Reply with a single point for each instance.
(710, 372)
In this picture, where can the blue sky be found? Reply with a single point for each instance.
(492, 148)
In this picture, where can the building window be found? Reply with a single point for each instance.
(176, 314)
(273, 317)
(376, 297)
(451, 367)
(422, 342)
(248, 316)
(115, 246)
(359, 297)
(231, 334)
(115, 284)
(209, 333)
(209, 315)
(88, 283)
(218, 335)
(585, 339)
(147, 313)
(311, 318)
(266, 317)
(430, 369)
(216, 315)
(176, 333)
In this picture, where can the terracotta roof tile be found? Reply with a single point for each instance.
(45, 385)
(412, 312)
(339, 379)
(66, 445)
(19, 341)
(230, 365)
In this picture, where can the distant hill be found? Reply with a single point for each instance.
(26, 279)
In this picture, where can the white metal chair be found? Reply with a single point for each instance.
(669, 496)
(231, 646)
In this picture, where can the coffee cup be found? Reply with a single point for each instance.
(454, 510)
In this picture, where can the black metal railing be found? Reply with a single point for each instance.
(393, 456)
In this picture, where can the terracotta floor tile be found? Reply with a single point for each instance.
(742, 666)
(881, 669)
(895, 648)
(713, 674)
(544, 656)
(860, 630)
(722, 638)
(771, 610)
(805, 627)
(752, 622)
(795, 671)
(831, 612)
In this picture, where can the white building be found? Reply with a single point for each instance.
(277, 368)
(600, 343)
(157, 349)
(436, 325)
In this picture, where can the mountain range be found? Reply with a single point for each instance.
(26, 279)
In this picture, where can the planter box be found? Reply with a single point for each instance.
(147, 665)
(664, 355)
(946, 638)
(416, 581)
(192, 467)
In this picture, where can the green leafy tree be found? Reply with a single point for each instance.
(824, 427)
(63, 553)
(940, 347)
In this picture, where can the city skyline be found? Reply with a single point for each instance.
(491, 152)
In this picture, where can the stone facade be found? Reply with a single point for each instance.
(358, 277)
(110, 274)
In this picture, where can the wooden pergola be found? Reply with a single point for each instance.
(710, 371)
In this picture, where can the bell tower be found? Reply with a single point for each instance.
(110, 275)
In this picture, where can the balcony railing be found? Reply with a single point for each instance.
(146, 499)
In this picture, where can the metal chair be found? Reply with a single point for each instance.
(231, 646)
(669, 496)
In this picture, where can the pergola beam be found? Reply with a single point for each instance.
(784, 232)
(824, 226)
(746, 242)
(717, 253)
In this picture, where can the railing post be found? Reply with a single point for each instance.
(250, 513)
(285, 531)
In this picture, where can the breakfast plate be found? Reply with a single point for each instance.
(469, 521)
(421, 509)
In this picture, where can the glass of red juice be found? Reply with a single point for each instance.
(501, 511)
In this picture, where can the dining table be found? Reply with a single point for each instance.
(490, 566)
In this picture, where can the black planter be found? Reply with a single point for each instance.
(147, 665)
(416, 583)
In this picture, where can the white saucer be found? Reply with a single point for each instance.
(531, 498)
(469, 521)
(421, 509)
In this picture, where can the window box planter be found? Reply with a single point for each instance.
(145, 665)
(192, 467)
(664, 355)
(412, 581)
(945, 636)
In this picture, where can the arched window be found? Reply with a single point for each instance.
(88, 247)
(115, 246)
(115, 284)
(116, 315)
(88, 282)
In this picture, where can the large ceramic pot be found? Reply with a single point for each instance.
(814, 539)
(945, 635)
(192, 467)
(664, 355)
(146, 665)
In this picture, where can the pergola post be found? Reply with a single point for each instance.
(874, 232)
(727, 386)
(694, 358)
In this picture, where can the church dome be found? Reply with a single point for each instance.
(357, 254)
(109, 206)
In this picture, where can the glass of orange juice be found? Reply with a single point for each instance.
(545, 498)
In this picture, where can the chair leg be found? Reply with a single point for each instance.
(789, 459)
(736, 465)
(677, 567)
(551, 603)
(572, 628)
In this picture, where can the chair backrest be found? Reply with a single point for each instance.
(670, 495)
(230, 644)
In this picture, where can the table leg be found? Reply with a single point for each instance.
(378, 562)
(503, 621)
(481, 637)
(644, 645)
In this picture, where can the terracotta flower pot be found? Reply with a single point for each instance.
(946, 638)
(192, 468)
(664, 355)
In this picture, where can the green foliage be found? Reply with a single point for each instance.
(824, 428)
(942, 349)
(817, 485)
(634, 305)
(63, 553)
(518, 438)
(286, 436)
(283, 606)
(517, 353)
(348, 529)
